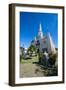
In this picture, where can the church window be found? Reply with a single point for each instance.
(38, 43)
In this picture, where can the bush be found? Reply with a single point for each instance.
(40, 55)
(52, 59)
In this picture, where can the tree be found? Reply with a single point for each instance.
(31, 49)
(22, 50)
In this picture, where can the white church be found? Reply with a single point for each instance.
(44, 43)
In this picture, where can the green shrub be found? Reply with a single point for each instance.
(52, 59)
(40, 55)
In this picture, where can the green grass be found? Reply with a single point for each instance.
(33, 59)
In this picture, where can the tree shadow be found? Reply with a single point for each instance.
(35, 63)
(46, 70)
(27, 58)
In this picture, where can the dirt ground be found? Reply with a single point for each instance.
(30, 70)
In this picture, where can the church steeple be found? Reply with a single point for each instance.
(40, 33)
(51, 46)
(40, 28)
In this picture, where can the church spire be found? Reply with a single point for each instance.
(40, 28)
(40, 33)
(51, 46)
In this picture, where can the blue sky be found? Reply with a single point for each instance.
(29, 24)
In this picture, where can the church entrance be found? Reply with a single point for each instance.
(44, 50)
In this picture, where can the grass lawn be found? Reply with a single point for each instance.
(32, 59)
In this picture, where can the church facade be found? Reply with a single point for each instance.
(43, 43)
